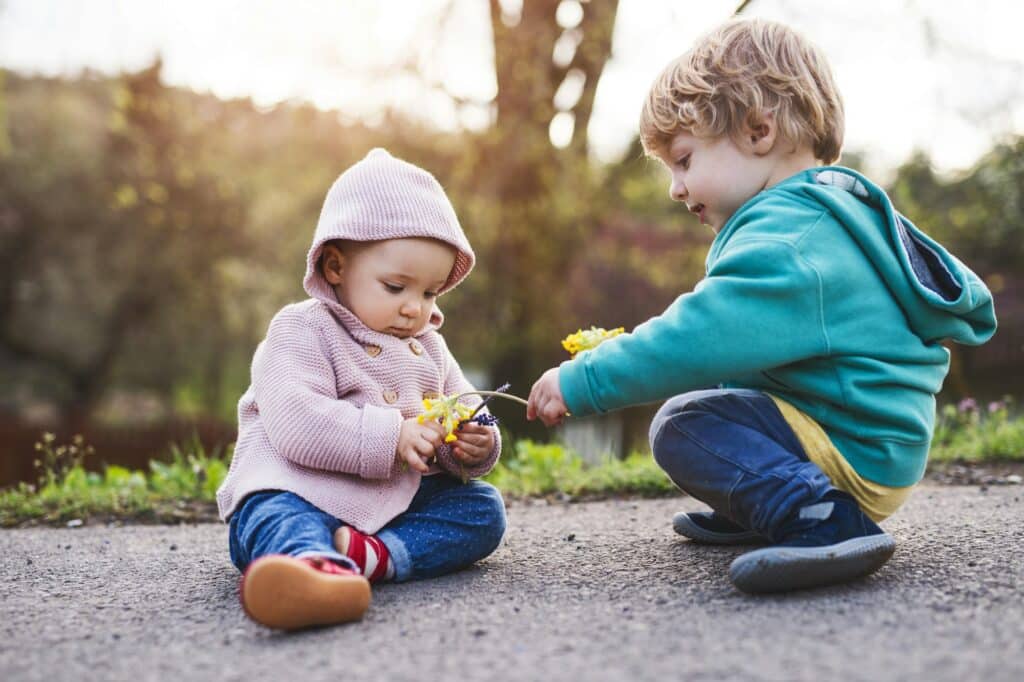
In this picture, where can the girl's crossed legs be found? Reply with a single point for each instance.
(448, 525)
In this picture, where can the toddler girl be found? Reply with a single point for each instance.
(334, 484)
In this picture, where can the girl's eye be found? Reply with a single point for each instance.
(429, 294)
(684, 162)
(393, 288)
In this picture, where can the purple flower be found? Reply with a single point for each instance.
(995, 406)
(967, 405)
(485, 419)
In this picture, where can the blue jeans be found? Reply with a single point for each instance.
(448, 525)
(733, 450)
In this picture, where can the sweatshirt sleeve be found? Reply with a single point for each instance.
(455, 382)
(305, 420)
(760, 306)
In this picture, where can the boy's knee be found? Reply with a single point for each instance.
(679, 404)
(660, 421)
(662, 448)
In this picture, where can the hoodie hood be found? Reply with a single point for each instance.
(382, 197)
(941, 297)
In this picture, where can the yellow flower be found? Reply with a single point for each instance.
(587, 340)
(447, 410)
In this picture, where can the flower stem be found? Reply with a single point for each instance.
(494, 394)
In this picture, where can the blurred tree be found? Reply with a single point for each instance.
(185, 222)
(977, 214)
(5, 142)
(110, 254)
(528, 200)
(50, 195)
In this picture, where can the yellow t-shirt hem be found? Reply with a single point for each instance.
(878, 501)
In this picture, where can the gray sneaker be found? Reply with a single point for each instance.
(709, 528)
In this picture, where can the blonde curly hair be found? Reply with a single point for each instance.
(736, 75)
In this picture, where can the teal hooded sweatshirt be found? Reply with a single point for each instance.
(819, 292)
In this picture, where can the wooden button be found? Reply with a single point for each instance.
(372, 351)
(390, 397)
(415, 347)
(431, 395)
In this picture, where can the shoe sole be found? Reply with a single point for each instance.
(682, 524)
(285, 594)
(781, 569)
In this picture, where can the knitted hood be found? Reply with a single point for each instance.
(382, 197)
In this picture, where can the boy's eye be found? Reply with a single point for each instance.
(393, 288)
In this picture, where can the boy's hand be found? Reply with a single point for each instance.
(417, 443)
(546, 400)
(474, 444)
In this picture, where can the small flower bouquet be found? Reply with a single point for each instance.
(447, 410)
(451, 413)
(587, 340)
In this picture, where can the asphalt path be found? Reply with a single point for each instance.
(582, 591)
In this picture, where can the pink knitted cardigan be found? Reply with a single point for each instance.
(322, 415)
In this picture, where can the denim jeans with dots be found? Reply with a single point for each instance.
(448, 525)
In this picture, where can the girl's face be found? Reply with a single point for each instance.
(389, 285)
(715, 176)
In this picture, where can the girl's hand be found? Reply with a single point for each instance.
(474, 444)
(546, 400)
(417, 443)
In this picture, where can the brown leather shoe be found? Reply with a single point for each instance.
(287, 593)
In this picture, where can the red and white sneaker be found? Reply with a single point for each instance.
(368, 552)
(286, 593)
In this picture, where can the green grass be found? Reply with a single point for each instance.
(541, 469)
(181, 485)
(968, 432)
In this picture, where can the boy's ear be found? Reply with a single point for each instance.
(332, 264)
(761, 134)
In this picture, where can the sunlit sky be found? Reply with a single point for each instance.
(946, 77)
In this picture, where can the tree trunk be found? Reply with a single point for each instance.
(538, 190)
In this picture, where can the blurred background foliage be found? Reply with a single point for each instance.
(149, 233)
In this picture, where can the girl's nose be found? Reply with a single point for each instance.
(410, 309)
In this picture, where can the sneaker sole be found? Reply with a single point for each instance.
(282, 593)
(682, 524)
(781, 569)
